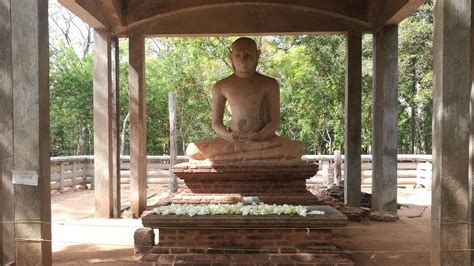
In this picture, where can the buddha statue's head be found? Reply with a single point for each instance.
(244, 56)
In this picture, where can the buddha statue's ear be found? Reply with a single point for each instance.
(230, 58)
(258, 54)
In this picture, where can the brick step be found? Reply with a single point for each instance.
(323, 255)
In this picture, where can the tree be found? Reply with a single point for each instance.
(311, 74)
(71, 102)
(416, 81)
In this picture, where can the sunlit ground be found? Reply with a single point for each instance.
(80, 239)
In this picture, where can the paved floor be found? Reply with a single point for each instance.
(81, 239)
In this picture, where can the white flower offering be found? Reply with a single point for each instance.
(235, 209)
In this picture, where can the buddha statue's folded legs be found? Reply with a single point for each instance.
(219, 149)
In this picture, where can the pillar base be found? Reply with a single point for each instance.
(381, 216)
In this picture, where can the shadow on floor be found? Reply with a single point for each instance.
(93, 254)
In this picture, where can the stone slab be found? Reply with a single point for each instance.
(331, 218)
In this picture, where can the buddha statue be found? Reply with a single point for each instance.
(254, 101)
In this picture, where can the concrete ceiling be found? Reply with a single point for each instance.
(225, 17)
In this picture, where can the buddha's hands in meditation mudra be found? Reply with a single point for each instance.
(240, 137)
(254, 100)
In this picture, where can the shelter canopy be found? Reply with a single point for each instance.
(225, 17)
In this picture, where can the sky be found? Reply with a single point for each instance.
(65, 26)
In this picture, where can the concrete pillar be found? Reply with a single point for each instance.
(352, 119)
(30, 109)
(6, 133)
(471, 139)
(328, 177)
(1, 215)
(450, 227)
(115, 55)
(173, 183)
(105, 136)
(138, 167)
(384, 111)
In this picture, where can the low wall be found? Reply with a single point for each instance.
(69, 171)
(412, 169)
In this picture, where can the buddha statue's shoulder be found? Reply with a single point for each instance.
(225, 82)
(231, 80)
(267, 81)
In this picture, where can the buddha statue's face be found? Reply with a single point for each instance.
(244, 56)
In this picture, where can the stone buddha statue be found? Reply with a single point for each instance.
(254, 101)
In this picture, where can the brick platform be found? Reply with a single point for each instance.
(247, 239)
(243, 238)
(273, 182)
(279, 170)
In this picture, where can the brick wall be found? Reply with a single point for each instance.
(238, 186)
(239, 239)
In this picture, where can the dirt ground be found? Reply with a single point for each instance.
(79, 239)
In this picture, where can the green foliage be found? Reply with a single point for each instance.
(367, 99)
(189, 67)
(309, 69)
(416, 80)
(71, 102)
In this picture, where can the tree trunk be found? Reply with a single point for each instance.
(413, 110)
(123, 133)
(80, 144)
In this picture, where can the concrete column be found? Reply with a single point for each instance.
(352, 119)
(1, 215)
(384, 111)
(115, 55)
(30, 71)
(138, 170)
(103, 125)
(471, 139)
(6, 133)
(450, 227)
(173, 183)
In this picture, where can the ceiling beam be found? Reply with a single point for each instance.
(392, 12)
(120, 7)
(375, 9)
(266, 20)
(83, 11)
(142, 9)
(410, 7)
(228, 11)
(123, 16)
(113, 11)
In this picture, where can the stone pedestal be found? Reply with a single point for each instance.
(226, 183)
(267, 239)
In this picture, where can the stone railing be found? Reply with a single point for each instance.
(69, 171)
(412, 169)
